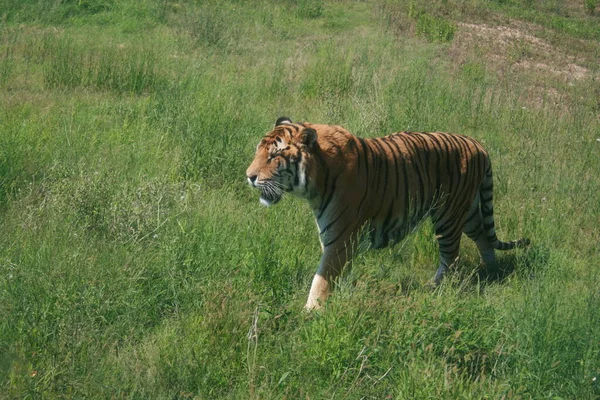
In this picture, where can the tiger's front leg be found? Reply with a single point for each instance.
(333, 262)
(319, 291)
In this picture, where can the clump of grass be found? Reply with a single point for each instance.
(73, 7)
(218, 27)
(21, 155)
(434, 29)
(129, 214)
(7, 58)
(51, 11)
(590, 6)
(330, 75)
(428, 21)
(115, 68)
(519, 51)
(67, 66)
(209, 25)
(310, 8)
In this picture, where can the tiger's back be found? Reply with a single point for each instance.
(414, 175)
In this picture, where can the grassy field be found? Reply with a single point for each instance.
(135, 261)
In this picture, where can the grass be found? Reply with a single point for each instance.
(135, 262)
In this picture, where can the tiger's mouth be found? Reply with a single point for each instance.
(269, 197)
(271, 190)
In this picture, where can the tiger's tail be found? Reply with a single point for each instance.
(487, 212)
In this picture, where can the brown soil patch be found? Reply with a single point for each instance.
(515, 48)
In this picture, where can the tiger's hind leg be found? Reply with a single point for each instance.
(474, 229)
(449, 235)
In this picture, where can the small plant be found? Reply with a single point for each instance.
(434, 29)
(310, 8)
(519, 51)
(210, 26)
(590, 6)
(86, 6)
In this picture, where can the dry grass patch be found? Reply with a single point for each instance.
(543, 69)
(516, 47)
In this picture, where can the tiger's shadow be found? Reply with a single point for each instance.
(527, 265)
(498, 273)
(466, 276)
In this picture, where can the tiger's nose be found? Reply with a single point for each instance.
(252, 179)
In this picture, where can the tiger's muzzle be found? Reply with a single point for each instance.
(271, 191)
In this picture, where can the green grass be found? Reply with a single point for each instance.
(135, 262)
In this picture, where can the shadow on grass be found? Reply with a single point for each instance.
(527, 264)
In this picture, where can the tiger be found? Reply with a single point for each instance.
(379, 187)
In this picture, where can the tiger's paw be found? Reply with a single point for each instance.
(319, 292)
(312, 307)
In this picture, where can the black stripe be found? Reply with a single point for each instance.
(474, 214)
(296, 175)
(453, 219)
(479, 233)
(376, 163)
(437, 150)
(415, 169)
(418, 170)
(329, 197)
(323, 166)
(487, 212)
(489, 188)
(393, 155)
(383, 159)
(354, 146)
(334, 220)
(388, 219)
(406, 212)
(420, 137)
(491, 238)
(337, 237)
(366, 154)
(365, 150)
(459, 188)
(446, 145)
(397, 154)
(489, 226)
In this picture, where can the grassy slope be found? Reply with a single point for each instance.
(135, 262)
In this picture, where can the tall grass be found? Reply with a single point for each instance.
(118, 68)
(135, 262)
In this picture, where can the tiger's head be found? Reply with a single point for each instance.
(280, 161)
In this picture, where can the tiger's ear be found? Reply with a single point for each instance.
(283, 120)
(308, 136)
